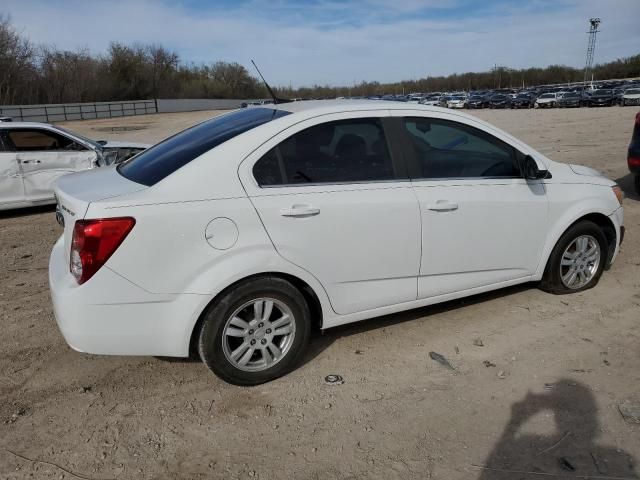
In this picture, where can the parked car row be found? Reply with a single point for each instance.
(529, 99)
(595, 95)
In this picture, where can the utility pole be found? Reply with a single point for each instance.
(591, 47)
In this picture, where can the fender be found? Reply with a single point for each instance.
(243, 264)
(569, 215)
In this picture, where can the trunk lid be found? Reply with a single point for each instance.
(75, 192)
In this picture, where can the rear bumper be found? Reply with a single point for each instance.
(109, 315)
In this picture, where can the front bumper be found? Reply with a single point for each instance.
(617, 218)
(109, 315)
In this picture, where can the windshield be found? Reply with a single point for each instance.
(602, 92)
(632, 91)
(81, 137)
(161, 160)
(571, 95)
(548, 95)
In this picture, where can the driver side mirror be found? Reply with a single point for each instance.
(531, 170)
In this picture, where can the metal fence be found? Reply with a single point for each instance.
(77, 111)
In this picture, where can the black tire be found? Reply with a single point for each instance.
(551, 281)
(210, 340)
(636, 183)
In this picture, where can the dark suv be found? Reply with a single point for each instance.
(570, 99)
(633, 157)
(500, 101)
(522, 100)
(602, 98)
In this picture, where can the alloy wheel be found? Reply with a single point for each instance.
(580, 262)
(258, 334)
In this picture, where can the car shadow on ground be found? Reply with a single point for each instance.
(572, 451)
(321, 340)
(26, 212)
(626, 183)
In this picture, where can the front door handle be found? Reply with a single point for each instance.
(299, 211)
(443, 206)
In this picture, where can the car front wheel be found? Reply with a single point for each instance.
(577, 261)
(256, 332)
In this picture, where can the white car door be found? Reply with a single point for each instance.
(11, 186)
(482, 222)
(336, 202)
(44, 155)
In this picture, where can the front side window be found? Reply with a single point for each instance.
(37, 140)
(161, 160)
(446, 149)
(344, 151)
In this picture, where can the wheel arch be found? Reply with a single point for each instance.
(309, 294)
(600, 219)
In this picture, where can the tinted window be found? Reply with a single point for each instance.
(37, 140)
(161, 160)
(334, 152)
(447, 149)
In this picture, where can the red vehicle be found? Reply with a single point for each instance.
(633, 158)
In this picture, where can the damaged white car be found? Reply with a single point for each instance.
(34, 155)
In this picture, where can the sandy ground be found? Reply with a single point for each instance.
(548, 401)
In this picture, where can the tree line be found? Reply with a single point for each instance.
(31, 74)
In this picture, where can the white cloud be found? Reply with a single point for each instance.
(337, 43)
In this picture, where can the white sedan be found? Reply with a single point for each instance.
(240, 235)
(34, 155)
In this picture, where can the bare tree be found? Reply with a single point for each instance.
(16, 65)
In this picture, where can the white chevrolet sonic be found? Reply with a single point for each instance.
(236, 237)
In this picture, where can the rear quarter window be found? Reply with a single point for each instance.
(161, 160)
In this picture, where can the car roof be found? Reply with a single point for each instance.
(312, 108)
(26, 125)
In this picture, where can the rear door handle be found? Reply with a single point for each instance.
(299, 211)
(443, 206)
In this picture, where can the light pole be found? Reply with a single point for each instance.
(591, 47)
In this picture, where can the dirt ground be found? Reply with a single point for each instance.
(542, 394)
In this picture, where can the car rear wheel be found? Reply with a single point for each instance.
(256, 332)
(577, 261)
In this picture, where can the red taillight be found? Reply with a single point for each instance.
(94, 241)
(633, 162)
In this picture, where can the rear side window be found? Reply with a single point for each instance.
(445, 149)
(161, 160)
(344, 151)
(37, 140)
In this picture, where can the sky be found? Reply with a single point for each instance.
(333, 42)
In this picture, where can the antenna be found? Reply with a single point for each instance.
(276, 100)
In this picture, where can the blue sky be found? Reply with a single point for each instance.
(343, 42)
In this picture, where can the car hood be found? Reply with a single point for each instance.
(586, 171)
(631, 95)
